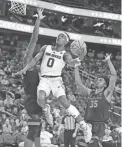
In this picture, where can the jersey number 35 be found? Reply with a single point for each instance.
(94, 104)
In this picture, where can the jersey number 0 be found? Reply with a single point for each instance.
(50, 62)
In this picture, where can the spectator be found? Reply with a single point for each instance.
(15, 110)
(57, 123)
(7, 128)
(17, 103)
(17, 124)
(45, 137)
(9, 101)
(60, 139)
(24, 128)
(12, 122)
(3, 117)
(56, 112)
(24, 115)
(4, 81)
(107, 136)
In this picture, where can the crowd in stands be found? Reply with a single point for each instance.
(76, 24)
(112, 6)
(70, 23)
(80, 25)
(13, 117)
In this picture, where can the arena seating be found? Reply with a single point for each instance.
(108, 6)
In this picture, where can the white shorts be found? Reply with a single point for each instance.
(52, 84)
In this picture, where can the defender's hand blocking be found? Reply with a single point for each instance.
(107, 57)
(78, 48)
(40, 13)
(20, 72)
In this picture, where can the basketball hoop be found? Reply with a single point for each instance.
(18, 8)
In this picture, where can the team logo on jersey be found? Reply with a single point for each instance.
(53, 55)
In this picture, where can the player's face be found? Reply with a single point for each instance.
(61, 40)
(100, 83)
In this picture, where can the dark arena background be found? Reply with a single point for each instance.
(97, 22)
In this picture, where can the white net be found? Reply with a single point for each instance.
(18, 8)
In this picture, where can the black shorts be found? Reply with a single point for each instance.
(98, 129)
(31, 106)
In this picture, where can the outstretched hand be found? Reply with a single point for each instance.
(20, 72)
(107, 57)
(40, 13)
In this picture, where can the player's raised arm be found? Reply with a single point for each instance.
(81, 87)
(33, 62)
(79, 49)
(69, 60)
(34, 38)
(112, 80)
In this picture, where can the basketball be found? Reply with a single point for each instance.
(78, 48)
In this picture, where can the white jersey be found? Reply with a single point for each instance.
(52, 62)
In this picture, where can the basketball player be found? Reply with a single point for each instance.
(54, 59)
(99, 102)
(31, 81)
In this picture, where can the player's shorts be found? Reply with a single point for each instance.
(52, 84)
(34, 124)
(98, 129)
(31, 106)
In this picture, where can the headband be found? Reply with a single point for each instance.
(66, 35)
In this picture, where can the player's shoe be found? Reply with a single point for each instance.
(48, 114)
(87, 131)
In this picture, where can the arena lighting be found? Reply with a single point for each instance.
(54, 33)
(70, 10)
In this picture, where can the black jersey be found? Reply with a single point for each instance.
(30, 82)
(97, 108)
